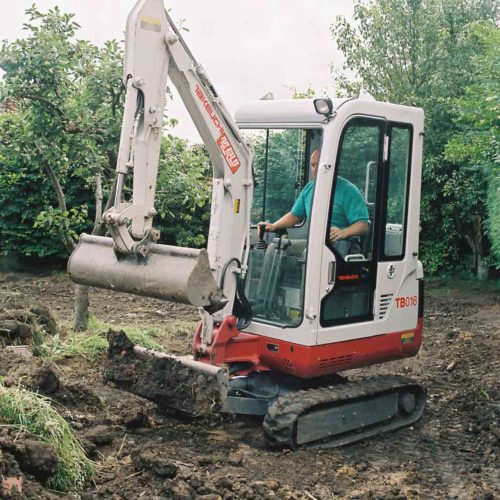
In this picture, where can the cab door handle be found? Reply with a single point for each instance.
(332, 268)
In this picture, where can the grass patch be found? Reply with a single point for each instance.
(91, 343)
(28, 411)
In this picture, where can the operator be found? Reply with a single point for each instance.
(349, 218)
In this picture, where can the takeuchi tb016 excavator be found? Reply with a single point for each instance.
(281, 313)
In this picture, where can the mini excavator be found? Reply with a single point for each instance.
(282, 314)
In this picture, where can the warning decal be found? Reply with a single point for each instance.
(150, 24)
(237, 203)
(223, 141)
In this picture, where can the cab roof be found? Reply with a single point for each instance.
(282, 111)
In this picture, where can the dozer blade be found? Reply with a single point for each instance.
(177, 383)
(167, 272)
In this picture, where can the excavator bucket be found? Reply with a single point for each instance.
(166, 272)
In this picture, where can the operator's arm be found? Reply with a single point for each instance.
(357, 229)
(354, 210)
(296, 214)
(288, 220)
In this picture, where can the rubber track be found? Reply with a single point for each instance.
(280, 419)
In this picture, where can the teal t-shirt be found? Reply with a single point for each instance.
(348, 204)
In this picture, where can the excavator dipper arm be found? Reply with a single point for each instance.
(154, 52)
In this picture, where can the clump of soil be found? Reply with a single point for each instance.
(19, 324)
(166, 381)
(33, 456)
(203, 486)
(154, 461)
(13, 332)
(26, 464)
(29, 372)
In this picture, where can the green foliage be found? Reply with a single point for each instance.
(52, 219)
(475, 145)
(92, 343)
(23, 191)
(284, 158)
(399, 158)
(302, 94)
(426, 54)
(184, 193)
(31, 412)
(69, 97)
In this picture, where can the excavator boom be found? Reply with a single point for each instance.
(131, 260)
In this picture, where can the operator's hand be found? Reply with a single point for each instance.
(337, 234)
(268, 227)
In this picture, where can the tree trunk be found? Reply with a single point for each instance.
(483, 269)
(473, 235)
(61, 201)
(99, 225)
(82, 301)
(81, 309)
(98, 203)
(481, 266)
(81, 306)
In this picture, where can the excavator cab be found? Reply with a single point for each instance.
(300, 278)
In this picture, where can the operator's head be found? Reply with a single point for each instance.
(314, 163)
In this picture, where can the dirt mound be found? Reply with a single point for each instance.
(29, 372)
(20, 322)
(164, 476)
(452, 452)
(33, 456)
(166, 381)
(202, 486)
(25, 461)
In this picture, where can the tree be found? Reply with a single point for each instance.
(59, 147)
(183, 193)
(420, 53)
(475, 145)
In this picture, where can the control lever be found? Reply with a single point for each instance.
(261, 243)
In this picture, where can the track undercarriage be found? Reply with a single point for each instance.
(343, 413)
(324, 412)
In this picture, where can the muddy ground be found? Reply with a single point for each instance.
(452, 452)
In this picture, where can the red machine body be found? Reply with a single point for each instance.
(260, 353)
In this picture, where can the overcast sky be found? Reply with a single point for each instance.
(248, 47)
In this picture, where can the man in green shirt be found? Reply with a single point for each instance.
(349, 217)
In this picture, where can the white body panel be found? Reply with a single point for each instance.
(282, 111)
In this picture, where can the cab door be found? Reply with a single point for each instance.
(355, 200)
